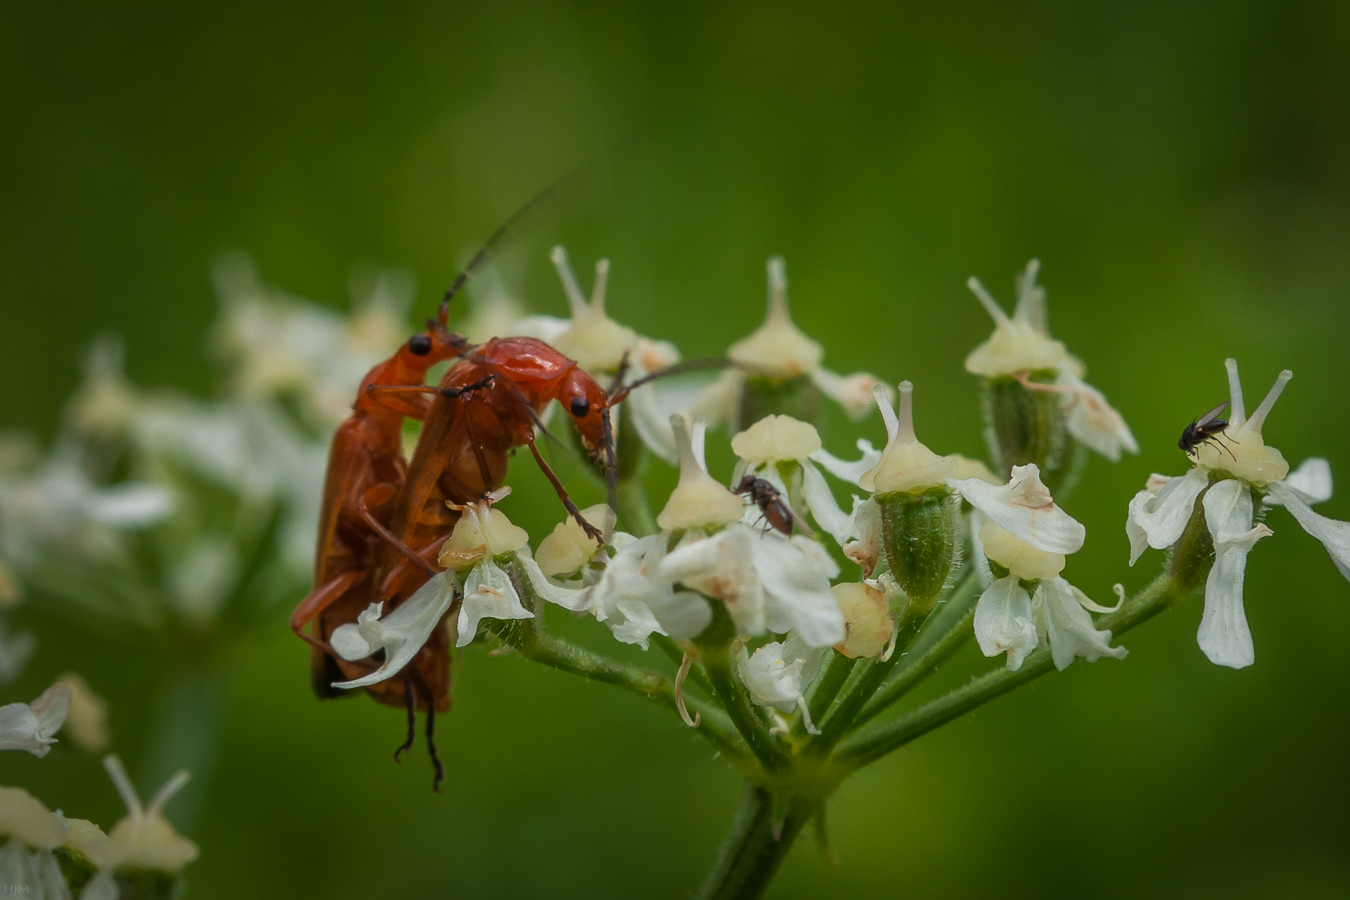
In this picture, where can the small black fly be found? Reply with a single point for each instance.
(1204, 430)
(771, 505)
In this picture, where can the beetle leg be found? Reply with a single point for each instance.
(319, 599)
(431, 733)
(571, 507)
(412, 717)
(410, 553)
(407, 400)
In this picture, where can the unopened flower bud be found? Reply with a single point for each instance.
(699, 500)
(481, 532)
(868, 620)
(569, 547)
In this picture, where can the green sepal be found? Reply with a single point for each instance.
(921, 535)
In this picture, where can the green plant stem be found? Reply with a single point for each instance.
(946, 631)
(871, 744)
(731, 694)
(635, 512)
(836, 673)
(837, 723)
(759, 841)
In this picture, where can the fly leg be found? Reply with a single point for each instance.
(412, 717)
(571, 507)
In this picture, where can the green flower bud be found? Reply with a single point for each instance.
(921, 536)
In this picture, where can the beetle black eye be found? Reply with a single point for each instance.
(419, 344)
(581, 407)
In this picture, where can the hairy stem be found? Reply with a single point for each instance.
(873, 743)
(947, 629)
(760, 839)
(729, 692)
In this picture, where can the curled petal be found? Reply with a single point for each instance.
(575, 599)
(1333, 534)
(400, 634)
(852, 392)
(866, 550)
(1003, 622)
(1024, 508)
(795, 574)
(1224, 635)
(1069, 628)
(1092, 421)
(1311, 481)
(849, 471)
(1158, 520)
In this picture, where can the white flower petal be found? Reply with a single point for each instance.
(488, 594)
(866, 550)
(1069, 628)
(852, 392)
(1158, 520)
(1003, 622)
(1311, 481)
(722, 566)
(778, 674)
(1024, 508)
(820, 501)
(1334, 534)
(849, 471)
(575, 599)
(403, 632)
(796, 577)
(1224, 635)
(1092, 421)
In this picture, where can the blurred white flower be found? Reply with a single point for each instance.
(87, 720)
(32, 831)
(143, 838)
(1227, 468)
(33, 726)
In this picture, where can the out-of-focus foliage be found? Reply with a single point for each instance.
(1179, 170)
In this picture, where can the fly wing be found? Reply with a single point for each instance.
(1211, 415)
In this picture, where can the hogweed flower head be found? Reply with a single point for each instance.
(1211, 539)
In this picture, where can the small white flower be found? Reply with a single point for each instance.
(1011, 619)
(699, 500)
(1230, 465)
(87, 721)
(400, 634)
(1025, 508)
(1021, 344)
(569, 548)
(906, 465)
(767, 581)
(778, 674)
(599, 345)
(143, 839)
(780, 351)
(483, 537)
(33, 726)
(778, 443)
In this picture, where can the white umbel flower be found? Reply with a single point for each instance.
(775, 443)
(1227, 469)
(33, 726)
(1021, 344)
(779, 350)
(778, 674)
(1011, 619)
(1024, 508)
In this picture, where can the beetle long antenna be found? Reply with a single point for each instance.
(504, 232)
(611, 462)
(679, 368)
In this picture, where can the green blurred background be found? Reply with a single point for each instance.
(1181, 169)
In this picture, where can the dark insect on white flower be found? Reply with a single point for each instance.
(1207, 429)
(774, 510)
